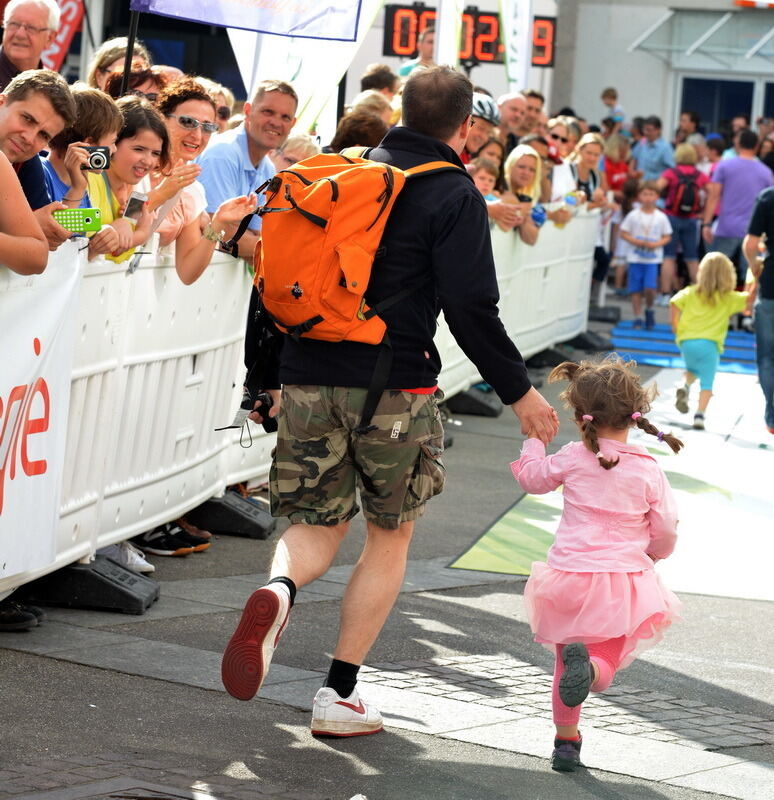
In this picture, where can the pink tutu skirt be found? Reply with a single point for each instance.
(589, 607)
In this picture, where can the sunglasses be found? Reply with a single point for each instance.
(192, 124)
(557, 138)
(151, 97)
(224, 112)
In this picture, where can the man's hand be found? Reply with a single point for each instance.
(707, 234)
(504, 214)
(256, 415)
(537, 417)
(55, 234)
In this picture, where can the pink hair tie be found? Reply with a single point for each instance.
(636, 415)
(588, 417)
(600, 455)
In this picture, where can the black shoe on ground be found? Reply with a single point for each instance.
(199, 543)
(14, 617)
(161, 542)
(578, 674)
(566, 755)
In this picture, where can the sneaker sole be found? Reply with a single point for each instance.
(342, 729)
(575, 682)
(248, 654)
(200, 548)
(681, 403)
(698, 426)
(181, 551)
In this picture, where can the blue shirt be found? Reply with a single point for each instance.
(653, 158)
(57, 188)
(227, 170)
(33, 183)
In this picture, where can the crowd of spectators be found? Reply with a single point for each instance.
(193, 158)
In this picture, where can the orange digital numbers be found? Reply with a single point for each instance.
(488, 36)
(404, 32)
(468, 30)
(543, 31)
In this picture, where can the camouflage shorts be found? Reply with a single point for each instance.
(320, 460)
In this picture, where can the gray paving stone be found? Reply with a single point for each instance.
(745, 780)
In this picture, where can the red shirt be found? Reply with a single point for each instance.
(617, 172)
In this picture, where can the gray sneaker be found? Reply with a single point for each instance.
(681, 402)
(698, 421)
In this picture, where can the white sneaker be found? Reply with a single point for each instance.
(663, 300)
(133, 558)
(333, 715)
(127, 555)
(248, 654)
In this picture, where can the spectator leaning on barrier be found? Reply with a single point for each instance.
(734, 184)
(97, 124)
(35, 106)
(110, 57)
(141, 147)
(23, 248)
(189, 112)
(522, 175)
(237, 162)
(437, 229)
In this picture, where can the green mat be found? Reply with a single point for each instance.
(522, 535)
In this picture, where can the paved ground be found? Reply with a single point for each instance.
(107, 705)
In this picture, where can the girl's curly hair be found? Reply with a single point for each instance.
(610, 393)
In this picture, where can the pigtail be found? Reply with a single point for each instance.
(566, 371)
(589, 435)
(674, 443)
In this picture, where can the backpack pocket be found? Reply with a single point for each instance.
(347, 280)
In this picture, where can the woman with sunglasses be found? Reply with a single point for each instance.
(189, 112)
(146, 82)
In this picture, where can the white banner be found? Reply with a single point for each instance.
(517, 18)
(448, 26)
(313, 67)
(37, 330)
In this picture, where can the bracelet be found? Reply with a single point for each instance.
(706, 224)
(72, 199)
(211, 234)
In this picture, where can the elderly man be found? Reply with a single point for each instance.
(34, 107)
(29, 27)
(512, 107)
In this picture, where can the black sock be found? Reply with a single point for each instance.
(342, 677)
(291, 587)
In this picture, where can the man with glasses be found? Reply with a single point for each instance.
(29, 27)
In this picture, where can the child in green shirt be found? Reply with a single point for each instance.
(699, 317)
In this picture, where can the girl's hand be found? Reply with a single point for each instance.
(125, 233)
(654, 559)
(105, 241)
(231, 212)
(142, 230)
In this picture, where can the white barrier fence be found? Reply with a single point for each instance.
(157, 366)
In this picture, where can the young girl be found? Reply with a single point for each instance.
(597, 602)
(699, 317)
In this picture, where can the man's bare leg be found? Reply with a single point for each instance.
(305, 552)
(372, 590)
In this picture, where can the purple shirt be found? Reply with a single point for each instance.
(612, 518)
(742, 180)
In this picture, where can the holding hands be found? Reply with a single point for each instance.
(538, 419)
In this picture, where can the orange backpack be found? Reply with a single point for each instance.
(322, 222)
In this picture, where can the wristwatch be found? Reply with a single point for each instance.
(211, 234)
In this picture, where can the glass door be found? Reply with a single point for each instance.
(717, 102)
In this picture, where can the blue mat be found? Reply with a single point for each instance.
(657, 347)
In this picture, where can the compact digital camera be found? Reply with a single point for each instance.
(99, 158)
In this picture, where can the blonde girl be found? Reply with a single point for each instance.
(699, 317)
(522, 176)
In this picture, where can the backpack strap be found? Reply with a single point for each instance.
(231, 247)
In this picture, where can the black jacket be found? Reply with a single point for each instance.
(438, 232)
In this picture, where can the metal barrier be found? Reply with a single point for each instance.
(158, 366)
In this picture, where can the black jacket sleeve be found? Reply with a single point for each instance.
(466, 281)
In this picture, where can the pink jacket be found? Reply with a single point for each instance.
(612, 519)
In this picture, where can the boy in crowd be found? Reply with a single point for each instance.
(484, 174)
(647, 230)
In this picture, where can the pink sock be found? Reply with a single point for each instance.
(606, 657)
(563, 715)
